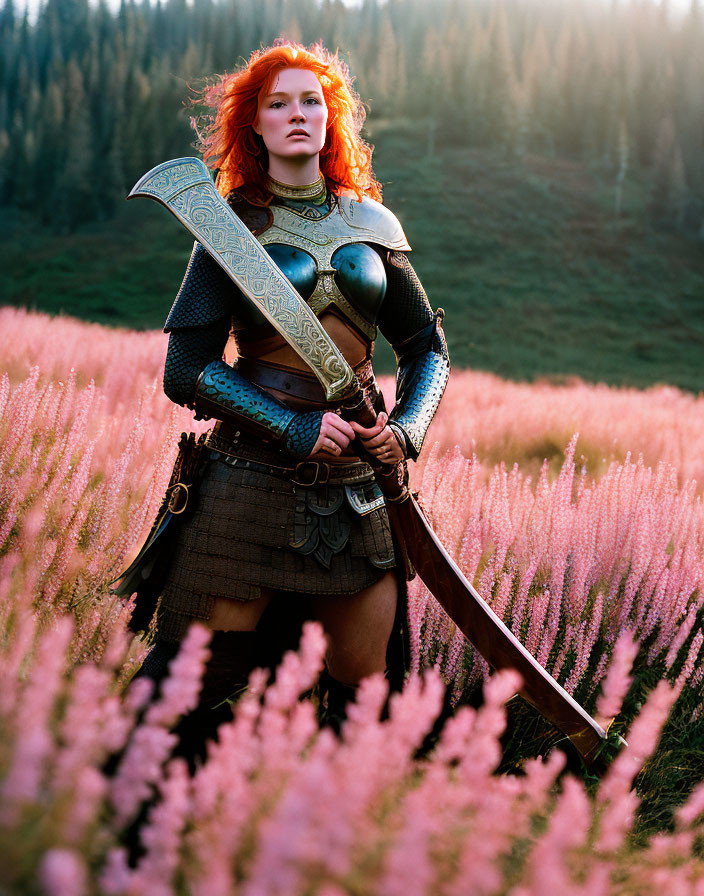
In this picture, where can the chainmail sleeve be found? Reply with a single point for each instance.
(415, 332)
(190, 351)
(198, 325)
(207, 294)
(195, 374)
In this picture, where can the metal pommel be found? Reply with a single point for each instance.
(186, 188)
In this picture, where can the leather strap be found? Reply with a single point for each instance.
(241, 449)
(296, 383)
(305, 473)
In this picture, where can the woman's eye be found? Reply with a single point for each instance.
(277, 104)
(313, 100)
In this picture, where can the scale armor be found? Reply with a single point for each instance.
(416, 335)
(190, 352)
(205, 296)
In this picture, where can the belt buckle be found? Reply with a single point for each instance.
(316, 479)
(179, 498)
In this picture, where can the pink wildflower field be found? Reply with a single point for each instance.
(576, 511)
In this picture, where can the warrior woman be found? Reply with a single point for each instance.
(287, 517)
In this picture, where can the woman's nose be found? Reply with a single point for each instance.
(297, 113)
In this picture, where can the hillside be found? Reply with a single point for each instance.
(537, 275)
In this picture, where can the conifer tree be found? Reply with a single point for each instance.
(499, 114)
(668, 178)
(386, 68)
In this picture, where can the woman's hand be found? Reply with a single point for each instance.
(335, 435)
(379, 440)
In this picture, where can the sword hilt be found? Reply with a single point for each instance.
(391, 479)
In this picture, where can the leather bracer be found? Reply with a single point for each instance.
(223, 393)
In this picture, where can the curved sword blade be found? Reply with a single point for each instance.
(480, 625)
(185, 187)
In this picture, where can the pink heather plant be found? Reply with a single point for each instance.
(141, 766)
(576, 564)
(305, 812)
(595, 558)
(63, 873)
(162, 834)
(522, 422)
(618, 679)
(616, 798)
(33, 741)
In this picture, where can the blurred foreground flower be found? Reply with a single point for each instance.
(594, 565)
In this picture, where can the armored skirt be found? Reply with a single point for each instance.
(260, 522)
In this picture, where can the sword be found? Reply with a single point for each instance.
(185, 188)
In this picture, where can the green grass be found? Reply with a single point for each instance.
(537, 275)
(124, 272)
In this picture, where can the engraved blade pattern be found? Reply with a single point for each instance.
(185, 188)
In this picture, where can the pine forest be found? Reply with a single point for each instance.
(89, 99)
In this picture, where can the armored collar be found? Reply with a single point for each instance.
(347, 221)
(313, 191)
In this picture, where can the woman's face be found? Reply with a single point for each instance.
(293, 116)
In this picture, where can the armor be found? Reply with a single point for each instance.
(377, 287)
(235, 399)
(262, 520)
(337, 265)
(423, 372)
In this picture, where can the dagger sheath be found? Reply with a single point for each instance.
(185, 187)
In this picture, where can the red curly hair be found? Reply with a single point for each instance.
(230, 144)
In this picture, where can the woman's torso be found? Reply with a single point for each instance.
(331, 250)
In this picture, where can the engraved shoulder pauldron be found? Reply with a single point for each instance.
(339, 266)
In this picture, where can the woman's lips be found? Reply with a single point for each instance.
(298, 133)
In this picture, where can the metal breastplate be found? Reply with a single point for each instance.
(329, 258)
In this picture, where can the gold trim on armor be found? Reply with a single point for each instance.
(289, 191)
(327, 293)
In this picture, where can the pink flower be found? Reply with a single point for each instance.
(687, 814)
(34, 741)
(162, 834)
(179, 692)
(141, 766)
(550, 860)
(62, 873)
(618, 679)
(116, 875)
(693, 653)
(615, 796)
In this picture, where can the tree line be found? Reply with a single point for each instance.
(90, 99)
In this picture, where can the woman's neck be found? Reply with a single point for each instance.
(293, 173)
